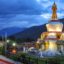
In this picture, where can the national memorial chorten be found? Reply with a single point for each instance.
(52, 40)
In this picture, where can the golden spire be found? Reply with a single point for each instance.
(54, 14)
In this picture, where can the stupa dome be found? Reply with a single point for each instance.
(55, 26)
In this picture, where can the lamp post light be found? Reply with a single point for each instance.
(5, 44)
(8, 41)
(14, 44)
(14, 48)
(7, 48)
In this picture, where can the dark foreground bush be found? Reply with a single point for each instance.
(54, 61)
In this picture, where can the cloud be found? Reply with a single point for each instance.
(19, 6)
(45, 3)
(60, 15)
(27, 13)
(21, 20)
(48, 15)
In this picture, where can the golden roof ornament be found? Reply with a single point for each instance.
(54, 14)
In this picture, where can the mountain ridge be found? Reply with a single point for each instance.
(10, 31)
(33, 32)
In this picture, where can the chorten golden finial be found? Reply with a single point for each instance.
(54, 14)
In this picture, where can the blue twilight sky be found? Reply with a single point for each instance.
(27, 13)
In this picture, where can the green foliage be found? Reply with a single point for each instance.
(13, 57)
(48, 60)
(2, 50)
(32, 59)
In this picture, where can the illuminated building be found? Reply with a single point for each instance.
(52, 40)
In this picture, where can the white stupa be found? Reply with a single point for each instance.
(48, 44)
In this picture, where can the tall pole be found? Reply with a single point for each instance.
(2, 43)
(5, 44)
(2, 38)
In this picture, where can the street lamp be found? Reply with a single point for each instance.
(14, 48)
(8, 41)
(14, 44)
